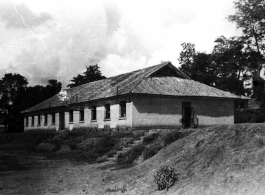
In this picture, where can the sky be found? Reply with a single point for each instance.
(57, 39)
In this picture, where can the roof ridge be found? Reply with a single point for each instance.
(158, 67)
(162, 65)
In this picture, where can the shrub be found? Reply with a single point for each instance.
(150, 138)
(111, 153)
(127, 158)
(165, 177)
(171, 137)
(46, 147)
(87, 156)
(127, 141)
(93, 148)
(250, 116)
(149, 152)
(138, 135)
(35, 140)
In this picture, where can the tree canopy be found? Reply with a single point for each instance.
(224, 67)
(250, 17)
(16, 96)
(12, 88)
(91, 74)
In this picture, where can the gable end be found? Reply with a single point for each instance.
(168, 71)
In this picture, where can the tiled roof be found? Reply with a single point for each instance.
(179, 87)
(138, 82)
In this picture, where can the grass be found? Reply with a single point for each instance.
(150, 138)
(150, 151)
(46, 147)
(127, 158)
(171, 137)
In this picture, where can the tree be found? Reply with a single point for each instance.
(230, 61)
(224, 67)
(15, 97)
(250, 17)
(91, 74)
(12, 88)
(186, 57)
(53, 87)
(36, 94)
(196, 65)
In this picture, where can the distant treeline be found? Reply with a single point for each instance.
(16, 95)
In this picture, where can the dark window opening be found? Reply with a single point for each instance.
(71, 116)
(45, 119)
(107, 111)
(122, 109)
(27, 121)
(32, 120)
(93, 113)
(81, 115)
(53, 118)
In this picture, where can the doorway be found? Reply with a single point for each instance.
(187, 114)
(61, 120)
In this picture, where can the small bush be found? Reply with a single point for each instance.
(127, 141)
(150, 138)
(165, 177)
(250, 116)
(111, 153)
(171, 137)
(149, 152)
(35, 140)
(138, 135)
(46, 147)
(101, 159)
(87, 156)
(126, 159)
(93, 148)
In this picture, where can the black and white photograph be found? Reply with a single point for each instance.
(142, 97)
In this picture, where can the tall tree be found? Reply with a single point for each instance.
(186, 57)
(12, 88)
(230, 62)
(250, 17)
(91, 74)
(196, 65)
(224, 67)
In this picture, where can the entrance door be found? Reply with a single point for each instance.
(187, 114)
(61, 120)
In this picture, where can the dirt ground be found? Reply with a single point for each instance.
(36, 174)
(218, 160)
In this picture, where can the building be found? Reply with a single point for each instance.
(160, 96)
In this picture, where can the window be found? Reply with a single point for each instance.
(81, 115)
(53, 118)
(39, 119)
(32, 120)
(93, 113)
(71, 116)
(45, 119)
(107, 111)
(122, 109)
(27, 121)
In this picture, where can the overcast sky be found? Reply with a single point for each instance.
(56, 39)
